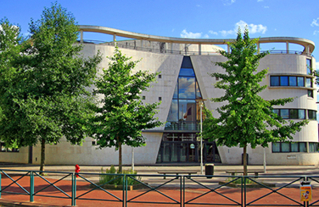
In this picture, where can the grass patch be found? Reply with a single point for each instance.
(238, 181)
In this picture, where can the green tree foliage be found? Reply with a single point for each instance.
(120, 115)
(246, 118)
(43, 86)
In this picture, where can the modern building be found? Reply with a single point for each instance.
(182, 86)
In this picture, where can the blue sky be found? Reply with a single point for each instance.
(188, 18)
(215, 19)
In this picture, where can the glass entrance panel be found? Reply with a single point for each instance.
(175, 152)
(186, 88)
(187, 115)
(166, 152)
(184, 151)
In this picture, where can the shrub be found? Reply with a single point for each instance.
(113, 177)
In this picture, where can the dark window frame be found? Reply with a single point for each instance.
(290, 147)
(288, 83)
(312, 114)
(309, 66)
(290, 113)
(310, 93)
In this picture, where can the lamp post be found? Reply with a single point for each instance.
(200, 103)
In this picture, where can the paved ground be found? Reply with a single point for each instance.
(149, 176)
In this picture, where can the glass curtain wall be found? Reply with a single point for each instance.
(180, 144)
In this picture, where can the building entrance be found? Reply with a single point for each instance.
(174, 149)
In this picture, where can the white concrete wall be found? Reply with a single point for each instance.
(280, 64)
(169, 65)
(16, 157)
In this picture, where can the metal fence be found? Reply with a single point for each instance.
(157, 190)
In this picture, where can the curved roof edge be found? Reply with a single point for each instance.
(106, 30)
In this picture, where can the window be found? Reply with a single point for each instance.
(159, 76)
(159, 98)
(302, 113)
(312, 114)
(274, 81)
(301, 81)
(284, 113)
(290, 113)
(293, 113)
(309, 82)
(284, 80)
(184, 111)
(294, 147)
(313, 146)
(276, 111)
(310, 93)
(302, 147)
(276, 147)
(287, 147)
(9, 149)
(294, 81)
(143, 97)
(308, 65)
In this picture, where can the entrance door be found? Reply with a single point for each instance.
(187, 152)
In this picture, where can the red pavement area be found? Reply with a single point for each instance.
(200, 195)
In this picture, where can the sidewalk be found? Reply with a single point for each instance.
(153, 169)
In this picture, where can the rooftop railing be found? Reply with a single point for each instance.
(181, 52)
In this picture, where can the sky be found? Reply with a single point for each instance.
(215, 19)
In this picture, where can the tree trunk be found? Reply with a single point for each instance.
(120, 154)
(42, 156)
(245, 160)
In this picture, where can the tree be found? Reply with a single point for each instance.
(246, 118)
(120, 115)
(46, 96)
(11, 82)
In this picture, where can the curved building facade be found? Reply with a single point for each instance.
(183, 83)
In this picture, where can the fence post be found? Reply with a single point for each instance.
(31, 186)
(0, 183)
(183, 191)
(243, 191)
(306, 203)
(73, 190)
(124, 190)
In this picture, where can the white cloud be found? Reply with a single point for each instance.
(316, 32)
(266, 7)
(186, 34)
(199, 5)
(212, 32)
(253, 28)
(315, 22)
(317, 65)
(228, 2)
(229, 32)
(260, 0)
